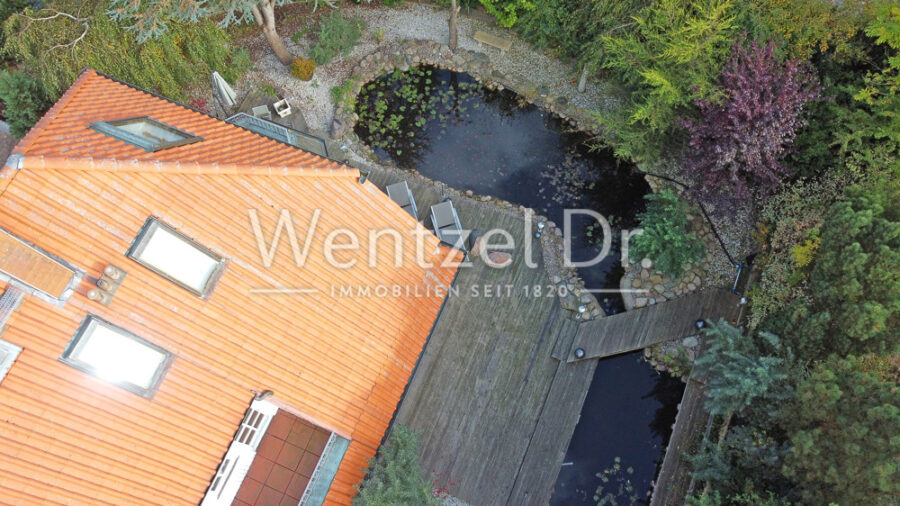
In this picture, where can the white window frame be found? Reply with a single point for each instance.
(236, 463)
(10, 352)
(87, 326)
(114, 129)
(142, 240)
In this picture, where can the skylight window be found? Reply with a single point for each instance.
(145, 133)
(116, 355)
(169, 253)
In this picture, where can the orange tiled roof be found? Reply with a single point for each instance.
(342, 362)
(63, 136)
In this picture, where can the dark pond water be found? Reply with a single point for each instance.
(451, 129)
(628, 415)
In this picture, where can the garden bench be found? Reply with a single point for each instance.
(492, 40)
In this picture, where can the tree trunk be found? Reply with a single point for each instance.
(264, 14)
(454, 10)
(722, 433)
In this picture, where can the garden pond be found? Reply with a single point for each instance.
(452, 129)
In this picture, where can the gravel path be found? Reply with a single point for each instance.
(418, 21)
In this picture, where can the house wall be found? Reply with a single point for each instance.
(67, 437)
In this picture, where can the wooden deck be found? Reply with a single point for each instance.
(674, 478)
(636, 329)
(494, 409)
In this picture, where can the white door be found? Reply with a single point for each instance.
(240, 455)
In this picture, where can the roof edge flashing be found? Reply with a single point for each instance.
(46, 297)
(174, 167)
(15, 161)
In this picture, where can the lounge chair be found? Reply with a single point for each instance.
(446, 225)
(402, 195)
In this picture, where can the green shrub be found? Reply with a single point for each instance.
(803, 254)
(240, 63)
(669, 58)
(788, 221)
(303, 68)
(25, 101)
(167, 65)
(808, 27)
(299, 34)
(507, 11)
(575, 28)
(337, 35)
(395, 476)
(667, 239)
(343, 94)
(8, 7)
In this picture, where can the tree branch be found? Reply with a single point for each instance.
(256, 14)
(57, 14)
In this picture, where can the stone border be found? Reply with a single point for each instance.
(412, 53)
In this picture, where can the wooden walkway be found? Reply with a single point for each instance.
(674, 477)
(494, 409)
(640, 328)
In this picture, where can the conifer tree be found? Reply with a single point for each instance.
(844, 425)
(854, 298)
(395, 477)
(736, 369)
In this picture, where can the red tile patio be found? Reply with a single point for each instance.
(284, 463)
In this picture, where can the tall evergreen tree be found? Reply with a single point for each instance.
(670, 57)
(736, 368)
(844, 425)
(395, 477)
(854, 301)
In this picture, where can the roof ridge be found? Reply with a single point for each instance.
(198, 111)
(48, 143)
(175, 167)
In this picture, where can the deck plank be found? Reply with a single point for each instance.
(481, 389)
(675, 474)
(640, 328)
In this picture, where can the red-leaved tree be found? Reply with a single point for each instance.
(736, 147)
